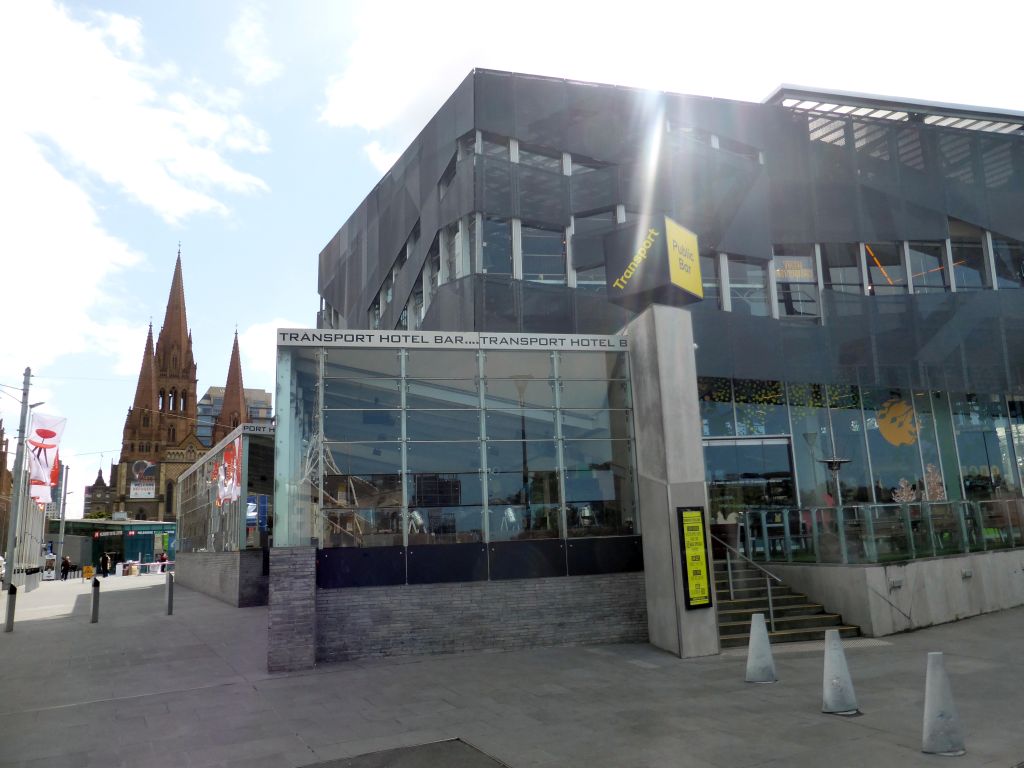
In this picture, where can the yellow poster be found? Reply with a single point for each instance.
(698, 587)
(683, 258)
(88, 572)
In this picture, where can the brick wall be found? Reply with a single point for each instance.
(291, 621)
(445, 618)
(233, 577)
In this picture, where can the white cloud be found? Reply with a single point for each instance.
(248, 43)
(681, 47)
(116, 119)
(257, 346)
(381, 158)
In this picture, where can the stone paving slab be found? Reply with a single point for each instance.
(192, 690)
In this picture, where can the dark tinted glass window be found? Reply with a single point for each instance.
(496, 250)
(840, 266)
(885, 268)
(928, 266)
(543, 255)
(968, 255)
(1009, 259)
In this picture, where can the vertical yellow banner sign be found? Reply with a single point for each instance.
(693, 544)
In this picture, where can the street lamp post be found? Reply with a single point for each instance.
(63, 510)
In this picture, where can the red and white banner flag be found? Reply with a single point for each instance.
(43, 440)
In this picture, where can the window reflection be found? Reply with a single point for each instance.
(968, 256)
(796, 281)
(985, 445)
(748, 286)
(716, 413)
(1008, 255)
(496, 249)
(544, 255)
(840, 266)
(886, 274)
(928, 266)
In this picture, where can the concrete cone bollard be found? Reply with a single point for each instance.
(837, 694)
(760, 664)
(942, 733)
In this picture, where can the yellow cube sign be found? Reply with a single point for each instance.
(683, 258)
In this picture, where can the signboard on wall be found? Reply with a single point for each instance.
(652, 261)
(693, 549)
(142, 484)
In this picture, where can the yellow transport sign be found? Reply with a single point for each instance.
(693, 546)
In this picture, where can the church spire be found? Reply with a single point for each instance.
(173, 345)
(234, 410)
(145, 390)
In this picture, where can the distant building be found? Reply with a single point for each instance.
(258, 403)
(99, 499)
(159, 432)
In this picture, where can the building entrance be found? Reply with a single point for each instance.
(749, 473)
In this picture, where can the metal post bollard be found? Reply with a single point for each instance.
(12, 596)
(95, 600)
(170, 594)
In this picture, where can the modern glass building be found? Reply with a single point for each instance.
(861, 260)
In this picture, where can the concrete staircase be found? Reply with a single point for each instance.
(796, 617)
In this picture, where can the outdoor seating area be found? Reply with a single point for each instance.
(876, 533)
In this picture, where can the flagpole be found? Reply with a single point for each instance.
(19, 467)
(63, 508)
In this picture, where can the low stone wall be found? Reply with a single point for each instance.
(235, 578)
(885, 599)
(473, 616)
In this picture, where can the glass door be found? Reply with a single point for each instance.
(748, 474)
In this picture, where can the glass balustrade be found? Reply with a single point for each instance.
(880, 533)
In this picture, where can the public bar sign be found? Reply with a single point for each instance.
(693, 548)
(652, 261)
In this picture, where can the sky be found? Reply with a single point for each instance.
(248, 132)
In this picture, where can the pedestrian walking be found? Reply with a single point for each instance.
(65, 567)
(105, 565)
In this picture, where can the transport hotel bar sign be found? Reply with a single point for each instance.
(693, 546)
(305, 337)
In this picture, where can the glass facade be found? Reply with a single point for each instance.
(225, 500)
(410, 447)
(765, 443)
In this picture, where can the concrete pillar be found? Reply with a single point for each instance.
(670, 467)
(291, 641)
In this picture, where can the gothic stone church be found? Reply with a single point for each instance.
(160, 441)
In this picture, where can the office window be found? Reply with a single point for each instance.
(709, 278)
(886, 274)
(840, 266)
(968, 256)
(496, 252)
(544, 255)
(748, 286)
(1008, 255)
(796, 281)
(494, 146)
(547, 161)
(928, 266)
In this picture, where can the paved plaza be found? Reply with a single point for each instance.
(141, 688)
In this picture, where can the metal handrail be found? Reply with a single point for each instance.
(768, 577)
(744, 557)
